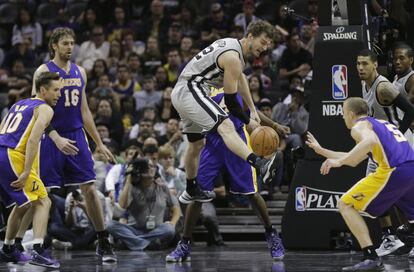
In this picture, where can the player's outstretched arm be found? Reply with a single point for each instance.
(43, 115)
(314, 144)
(280, 129)
(89, 124)
(387, 95)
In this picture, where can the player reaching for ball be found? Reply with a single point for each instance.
(214, 158)
(221, 63)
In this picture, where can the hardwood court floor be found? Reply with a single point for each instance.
(237, 256)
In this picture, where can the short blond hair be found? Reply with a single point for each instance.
(357, 105)
(166, 151)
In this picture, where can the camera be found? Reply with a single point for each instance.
(139, 166)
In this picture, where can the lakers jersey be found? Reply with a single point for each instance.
(377, 110)
(393, 149)
(68, 116)
(18, 124)
(204, 68)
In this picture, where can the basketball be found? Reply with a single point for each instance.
(264, 141)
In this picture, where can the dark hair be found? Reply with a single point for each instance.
(406, 47)
(291, 35)
(261, 92)
(259, 27)
(93, 73)
(357, 105)
(44, 80)
(19, 21)
(368, 53)
(57, 34)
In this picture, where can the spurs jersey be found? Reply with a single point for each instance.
(399, 84)
(204, 69)
(377, 110)
(18, 124)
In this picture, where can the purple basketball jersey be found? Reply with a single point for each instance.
(18, 124)
(396, 150)
(68, 116)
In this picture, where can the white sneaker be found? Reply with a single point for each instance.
(390, 243)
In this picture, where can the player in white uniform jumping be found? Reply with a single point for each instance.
(220, 64)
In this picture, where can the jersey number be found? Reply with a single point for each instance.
(204, 52)
(71, 97)
(12, 123)
(399, 137)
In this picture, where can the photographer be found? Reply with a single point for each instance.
(155, 210)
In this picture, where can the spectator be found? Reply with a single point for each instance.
(247, 17)
(265, 106)
(148, 96)
(295, 60)
(173, 38)
(166, 104)
(144, 130)
(125, 85)
(118, 24)
(99, 68)
(150, 203)
(17, 83)
(161, 79)
(95, 48)
(152, 56)
(128, 114)
(173, 64)
(112, 120)
(173, 135)
(131, 46)
(135, 68)
(307, 37)
(21, 50)
(87, 20)
(156, 25)
(256, 88)
(188, 21)
(236, 32)
(27, 28)
(215, 26)
(279, 46)
(174, 177)
(185, 48)
(116, 56)
(104, 91)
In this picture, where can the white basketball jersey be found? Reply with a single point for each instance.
(375, 108)
(399, 84)
(204, 69)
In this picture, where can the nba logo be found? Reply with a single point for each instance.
(339, 82)
(300, 199)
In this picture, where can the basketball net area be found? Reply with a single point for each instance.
(311, 219)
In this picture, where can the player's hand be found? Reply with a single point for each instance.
(282, 130)
(312, 142)
(105, 151)
(253, 124)
(20, 182)
(67, 146)
(328, 164)
(255, 116)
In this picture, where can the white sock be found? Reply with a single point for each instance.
(38, 241)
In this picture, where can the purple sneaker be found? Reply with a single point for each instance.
(15, 256)
(366, 265)
(44, 259)
(180, 254)
(274, 243)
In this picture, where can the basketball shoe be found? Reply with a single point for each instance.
(180, 254)
(390, 243)
(275, 245)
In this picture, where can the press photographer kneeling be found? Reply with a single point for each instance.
(155, 210)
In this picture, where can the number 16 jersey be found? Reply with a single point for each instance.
(204, 68)
(68, 116)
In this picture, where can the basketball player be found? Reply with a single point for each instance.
(20, 185)
(221, 63)
(215, 157)
(392, 183)
(66, 136)
(383, 98)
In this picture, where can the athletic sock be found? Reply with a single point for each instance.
(191, 184)
(185, 240)
(388, 230)
(369, 253)
(102, 235)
